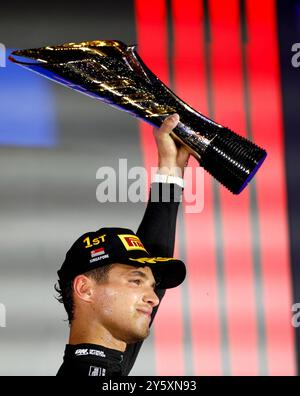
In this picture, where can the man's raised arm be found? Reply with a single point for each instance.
(158, 225)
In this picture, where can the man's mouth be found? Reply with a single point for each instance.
(146, 312)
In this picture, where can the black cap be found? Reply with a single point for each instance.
(118, 245)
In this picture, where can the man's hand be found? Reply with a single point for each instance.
(171, 158)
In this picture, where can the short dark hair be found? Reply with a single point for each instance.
(65, 288)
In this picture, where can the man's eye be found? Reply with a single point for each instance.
(136, 281)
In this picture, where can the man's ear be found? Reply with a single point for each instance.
(83, 288)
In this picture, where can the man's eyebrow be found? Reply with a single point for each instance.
(142, 275)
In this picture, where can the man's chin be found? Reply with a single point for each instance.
(138, 337)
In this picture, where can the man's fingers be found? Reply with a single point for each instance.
(169, 124)
(183, 155)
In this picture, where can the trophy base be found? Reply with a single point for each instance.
(232, 160)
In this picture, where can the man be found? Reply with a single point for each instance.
(112, 280)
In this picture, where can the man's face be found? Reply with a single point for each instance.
(124, 303)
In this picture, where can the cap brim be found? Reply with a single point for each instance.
(168, 272)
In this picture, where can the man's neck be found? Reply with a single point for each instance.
(97, 335)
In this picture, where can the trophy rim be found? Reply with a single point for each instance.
(33, 53)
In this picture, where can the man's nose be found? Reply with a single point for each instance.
(151, 298)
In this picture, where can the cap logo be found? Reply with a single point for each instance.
(97, 252)
(151, 260)
(131, 242)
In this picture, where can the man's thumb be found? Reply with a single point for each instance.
(169, 123)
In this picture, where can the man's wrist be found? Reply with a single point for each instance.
(170, 170)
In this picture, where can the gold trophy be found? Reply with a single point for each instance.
(114, 73)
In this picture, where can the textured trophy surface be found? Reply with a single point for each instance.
(114, 73)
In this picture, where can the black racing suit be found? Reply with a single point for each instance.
(157, 231)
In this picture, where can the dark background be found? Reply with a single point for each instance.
(47, 192)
